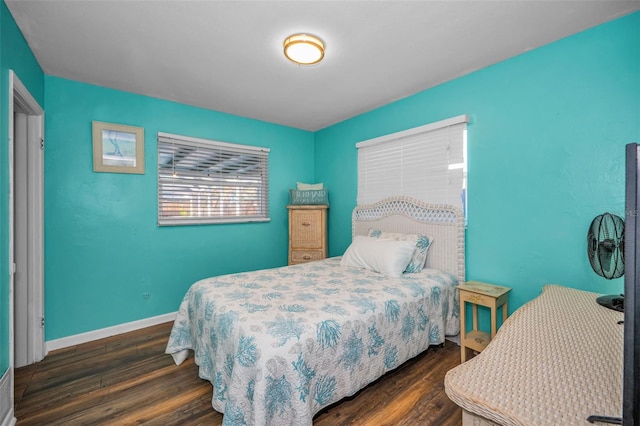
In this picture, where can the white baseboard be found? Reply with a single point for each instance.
(89, 336)
(6, 400)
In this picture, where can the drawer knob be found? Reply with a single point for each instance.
(306, 223)
(306, 257)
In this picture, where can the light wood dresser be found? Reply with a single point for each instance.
(307, 233)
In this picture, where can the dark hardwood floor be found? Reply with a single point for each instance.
(127, 379)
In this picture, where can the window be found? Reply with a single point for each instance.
(202, 181)
(428, 163)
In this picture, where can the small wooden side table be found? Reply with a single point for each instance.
(491, 296)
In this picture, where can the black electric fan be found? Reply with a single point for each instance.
(605, 249)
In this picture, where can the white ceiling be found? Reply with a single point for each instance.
(227, 55)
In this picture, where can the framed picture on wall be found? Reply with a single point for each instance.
(118, 148)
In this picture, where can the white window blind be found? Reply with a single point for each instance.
(203, 181)
(427, 163)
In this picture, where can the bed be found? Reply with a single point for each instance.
(280, 344)
(556, 361)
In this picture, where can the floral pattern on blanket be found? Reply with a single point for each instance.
(280, 344)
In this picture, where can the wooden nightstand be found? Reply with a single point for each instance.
(491, 296)
(307, 233)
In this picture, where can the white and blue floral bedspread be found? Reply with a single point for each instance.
(280, 344)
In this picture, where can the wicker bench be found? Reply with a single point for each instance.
(556, 360)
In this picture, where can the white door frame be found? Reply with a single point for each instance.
(20, 100)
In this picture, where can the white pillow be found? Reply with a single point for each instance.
(388, 257)
(309, 186)
(422, 243)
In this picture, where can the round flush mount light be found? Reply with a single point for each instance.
(303, 49)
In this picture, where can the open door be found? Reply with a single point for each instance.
(26, 231)
(27, 227)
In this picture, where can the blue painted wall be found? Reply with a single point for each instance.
(103, 247)
(546, 155)
(16, 55)
(546, 143)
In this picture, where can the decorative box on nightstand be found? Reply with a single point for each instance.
(491, 296)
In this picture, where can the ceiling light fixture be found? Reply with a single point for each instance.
(303, 49)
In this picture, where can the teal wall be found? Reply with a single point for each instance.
(546, 144)
(103, 248)
(16, 55)
(546, 154)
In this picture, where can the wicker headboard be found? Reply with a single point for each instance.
(403, 214)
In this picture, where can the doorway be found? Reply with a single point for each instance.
(26, 225)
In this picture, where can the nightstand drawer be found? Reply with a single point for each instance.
(478, 299)
(307, 229)
(301, 256)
